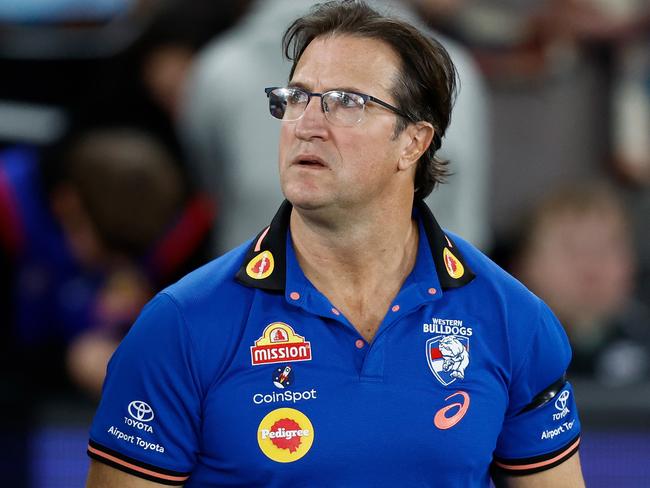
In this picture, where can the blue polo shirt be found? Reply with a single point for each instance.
(244, 374)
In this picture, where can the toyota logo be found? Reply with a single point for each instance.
(560, 403)
(141, 411)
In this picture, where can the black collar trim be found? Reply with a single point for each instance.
(264, 266)
(451, 267)
(265, 262)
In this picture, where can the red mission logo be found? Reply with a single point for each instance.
(280, 344)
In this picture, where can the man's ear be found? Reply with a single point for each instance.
(418, 137)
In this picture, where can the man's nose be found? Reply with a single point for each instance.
(313, 123)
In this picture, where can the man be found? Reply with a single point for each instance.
(218, 114)
(352, 342)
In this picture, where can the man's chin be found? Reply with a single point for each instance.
(306, 204)
(305, 199)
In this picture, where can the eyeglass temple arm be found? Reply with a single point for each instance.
(437, 140)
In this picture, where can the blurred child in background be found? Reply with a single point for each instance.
(88, 235)
(576, 253)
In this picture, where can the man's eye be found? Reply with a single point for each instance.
(346, 100)
(295, 97)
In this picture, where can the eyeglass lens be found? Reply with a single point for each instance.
(341, 108)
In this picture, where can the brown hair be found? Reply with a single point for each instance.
(129, 184)
(426, 87)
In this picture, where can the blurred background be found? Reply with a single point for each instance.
(135, 145)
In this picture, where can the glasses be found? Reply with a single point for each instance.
(341, 108)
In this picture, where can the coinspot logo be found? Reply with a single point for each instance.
(141, 411)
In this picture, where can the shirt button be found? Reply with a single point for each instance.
(294, 295)
(395, 308)
(432, 291)
(335, 312)
(360, 343)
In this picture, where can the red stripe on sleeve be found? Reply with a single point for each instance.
(139, 469)
(538, 466)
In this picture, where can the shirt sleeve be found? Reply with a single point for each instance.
(541, 428)
(147, 422)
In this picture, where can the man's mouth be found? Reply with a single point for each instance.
(309, 161)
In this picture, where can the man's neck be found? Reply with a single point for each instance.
(359, 263)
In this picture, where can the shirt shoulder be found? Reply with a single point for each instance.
(526, 322)
(212, 305)
(211, 285)
(490, 277)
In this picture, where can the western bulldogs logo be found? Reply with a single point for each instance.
(448, 357)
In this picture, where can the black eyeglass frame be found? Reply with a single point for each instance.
(366, 98)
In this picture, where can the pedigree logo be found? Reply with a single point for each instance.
(261, 266)
(285, 435)
(454, 267)
(280, 344)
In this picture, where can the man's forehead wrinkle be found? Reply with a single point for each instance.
(298, 84)
(309, 87)
(310, 81)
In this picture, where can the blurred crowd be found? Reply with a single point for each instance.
(135, 145)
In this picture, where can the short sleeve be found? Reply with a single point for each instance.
(541, 428)
(147, 423)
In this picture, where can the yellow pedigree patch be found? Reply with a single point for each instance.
(285, 435)
(261, 266)
(454, 266)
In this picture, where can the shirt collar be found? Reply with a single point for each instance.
(265, 263)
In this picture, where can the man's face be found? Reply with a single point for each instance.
(323, 165)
